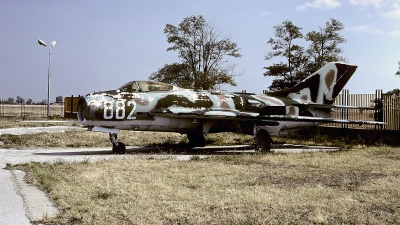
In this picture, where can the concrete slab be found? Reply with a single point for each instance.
(12, 209)
(38, 206)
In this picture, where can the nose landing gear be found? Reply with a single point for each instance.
(118, 147)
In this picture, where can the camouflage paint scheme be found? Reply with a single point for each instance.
(155, 106)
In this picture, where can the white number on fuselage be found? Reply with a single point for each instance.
(108, 110)
(119, 110)
(133, 103)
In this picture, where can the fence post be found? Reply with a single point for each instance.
(72, 103)
(345, 102)
(397, 108)
(62, 107)
(22, 110)
(2, 107)
(378, 113)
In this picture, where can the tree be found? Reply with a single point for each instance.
(59, 99)
(203, 55)
(324, 45)
(10, 101)
(300, 62)
(178, 74)
(284, 46)
(29, 102)
(20, 100)
(394, 92)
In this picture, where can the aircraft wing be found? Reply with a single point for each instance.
(212, 114)
(245, 116)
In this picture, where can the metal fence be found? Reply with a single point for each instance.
(25, 111)
(67, 109)
(391, 112)
(387, 110)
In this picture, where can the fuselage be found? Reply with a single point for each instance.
(155, 106)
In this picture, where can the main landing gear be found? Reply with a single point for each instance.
(196, 139)
(118, 147)
(263, 141)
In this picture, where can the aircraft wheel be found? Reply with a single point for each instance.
(264, 141)
(114, 149)
(196, 139)
(120, 149)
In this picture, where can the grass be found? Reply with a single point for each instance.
(84, 139)
(357, 185)
(345, 187)
(10, 122)
(81, 139)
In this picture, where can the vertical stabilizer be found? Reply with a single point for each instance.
(322, 87)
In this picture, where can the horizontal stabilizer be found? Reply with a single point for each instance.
(327, 106)
(317, 120)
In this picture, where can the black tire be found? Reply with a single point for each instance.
(264, 141)
(114, 149)
(120, 149)
(196, 139)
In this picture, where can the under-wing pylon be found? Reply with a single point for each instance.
(155, 106)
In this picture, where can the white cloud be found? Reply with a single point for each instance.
(266, 13)
(394, 13)
(365, 29)
(395, 33)
(387, 9)
(319, 4)
(365, 3)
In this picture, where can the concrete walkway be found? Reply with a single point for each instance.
(12, 210)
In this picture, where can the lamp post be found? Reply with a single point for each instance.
(48, 73)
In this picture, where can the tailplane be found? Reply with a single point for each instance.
(322, 87)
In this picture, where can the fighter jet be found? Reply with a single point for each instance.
(156, 106)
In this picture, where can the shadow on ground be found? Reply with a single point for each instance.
(185, 150)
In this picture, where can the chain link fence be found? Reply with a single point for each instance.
(26, 110)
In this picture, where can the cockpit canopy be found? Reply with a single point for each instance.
(147, 86)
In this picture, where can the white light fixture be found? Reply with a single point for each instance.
(48, 73)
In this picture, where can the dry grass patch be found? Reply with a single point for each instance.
(356, 187)
(80, 139)
(77, 139)
(10, 122)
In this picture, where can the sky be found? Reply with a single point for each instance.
(102, 45)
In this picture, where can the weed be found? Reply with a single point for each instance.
(75, 220)
(195, 158)
(104, 194)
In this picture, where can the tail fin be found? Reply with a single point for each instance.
(322, 87)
